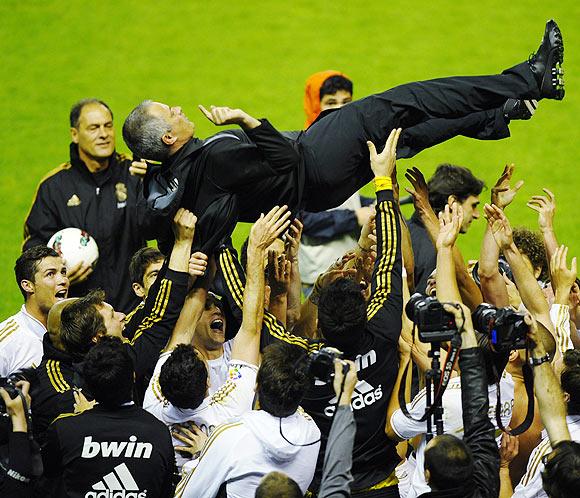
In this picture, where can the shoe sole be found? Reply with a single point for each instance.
(552, 86)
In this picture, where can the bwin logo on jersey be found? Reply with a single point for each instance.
(364, 395)
(115, 449)
(116, 484)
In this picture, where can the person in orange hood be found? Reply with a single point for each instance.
(325, 90)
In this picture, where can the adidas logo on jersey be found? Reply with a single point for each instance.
(116, 484)
(364, 395)
(116, 449)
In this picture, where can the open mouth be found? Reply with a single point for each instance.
(217, 325)
(61, 294)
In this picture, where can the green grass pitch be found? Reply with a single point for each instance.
(256, 55)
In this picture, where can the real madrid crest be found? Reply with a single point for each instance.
(121, 194)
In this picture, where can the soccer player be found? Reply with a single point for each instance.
(93, 186)
(42, 280)
(178, 391)
(115, 448)
(323, 166)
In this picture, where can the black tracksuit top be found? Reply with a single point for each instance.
(109, 205)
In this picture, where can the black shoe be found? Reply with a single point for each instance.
(519, 109)
(546, 62)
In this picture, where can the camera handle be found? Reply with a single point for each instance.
(433, 407)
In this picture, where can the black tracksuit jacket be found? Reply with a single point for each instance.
(376, 354)
(53, 382)
(109, 205)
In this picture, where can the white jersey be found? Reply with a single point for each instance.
(232, 399)
(560, 315)
(531, 484)
(406, 428)
(242, 452)
(20, 342)
(218, 368)
(315, 259)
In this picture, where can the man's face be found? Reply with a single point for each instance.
(50, 283)
(431, 287)
(95, 134)
(470, 211)
(210, 332)
(181, 128)
(114, 320)
(149, 278)
(336, 100)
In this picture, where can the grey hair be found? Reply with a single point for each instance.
(142, 133)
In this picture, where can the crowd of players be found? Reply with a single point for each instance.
(203, 374)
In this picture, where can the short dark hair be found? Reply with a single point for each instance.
(77, 109)
(335, 84)
(342, 314)
(183, 378)
(449, 461)
(282, 379)
(531, 244)
(81, 322)
(450, 179)
(27, 263)
(570, 381)
(278, 485)
(108, 372)
(141, 261)
(561, 475)
(142, 133)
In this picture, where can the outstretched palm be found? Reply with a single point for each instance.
(502, 194)
(499, 225)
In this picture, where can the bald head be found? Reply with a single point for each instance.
(53, 323)
(278, 485)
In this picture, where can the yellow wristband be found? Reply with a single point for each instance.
(383, 183)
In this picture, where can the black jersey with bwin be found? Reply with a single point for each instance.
(105, 453)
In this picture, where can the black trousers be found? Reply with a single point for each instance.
(430, 112)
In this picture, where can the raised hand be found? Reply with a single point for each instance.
(184, 225)
(419, 193)
(197, 264)
(499, 225)
(221, 116)
(278, 271)
(545, 206)
(383, 164)
(269, 227)
(450, 220)
(562, 277)
(293, 237)
(502, 194)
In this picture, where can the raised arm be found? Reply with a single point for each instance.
(546, 387)
(165, 299)
(194, 305)
(293, 237)
(449, 225)
(246, 345)
(563, 279)
(532, 296)
(545, 206)
(271, 153)
(493, 286)
(386, 302)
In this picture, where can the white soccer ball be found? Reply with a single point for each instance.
(75, 245)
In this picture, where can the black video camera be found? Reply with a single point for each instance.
(505, 327)
(321, 363)
(433, 322)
